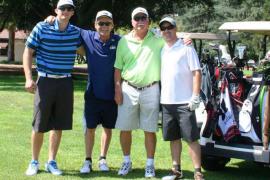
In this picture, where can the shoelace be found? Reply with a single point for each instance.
(53, 164)
(125, 166)
(34, 163)
(149, 169)
(102, 162)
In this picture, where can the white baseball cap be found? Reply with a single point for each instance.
(139, 10)
(65, 2)
(104, 13)
(167, 19)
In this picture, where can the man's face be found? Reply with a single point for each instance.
(65, 12)
(168, 32)
(140, 22)
(104, 25)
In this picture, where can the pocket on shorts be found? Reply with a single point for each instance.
(186, 108)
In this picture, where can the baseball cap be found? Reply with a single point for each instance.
(65, 2)
(139, 10)
(167, 19)
(104, 13)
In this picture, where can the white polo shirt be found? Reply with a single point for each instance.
(177, 64)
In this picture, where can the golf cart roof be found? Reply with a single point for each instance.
(205, 36)
(260, 27)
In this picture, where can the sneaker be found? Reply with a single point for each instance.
(150, 171)
(33, 168)
(102, 164)
(174, 174)
(125, 168)
(198, 176)
(51, 167)
(87, 167)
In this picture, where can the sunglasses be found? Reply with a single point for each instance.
(104, 23)
(138, 18)
(170, 27)
(68, 8)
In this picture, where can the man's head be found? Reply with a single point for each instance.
(104, 23)
(140, 19)
(167, 27)
(65, 9)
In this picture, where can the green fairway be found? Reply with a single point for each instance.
(16, 107)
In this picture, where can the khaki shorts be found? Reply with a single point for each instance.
(140, 109)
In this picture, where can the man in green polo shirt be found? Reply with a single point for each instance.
(137, 73)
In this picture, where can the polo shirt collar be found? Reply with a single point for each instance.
(131, 38)
(176, 44)
(97, 37)
(56, 25)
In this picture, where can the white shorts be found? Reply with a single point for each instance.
(140, 109)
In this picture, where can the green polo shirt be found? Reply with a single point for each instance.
(139, 61)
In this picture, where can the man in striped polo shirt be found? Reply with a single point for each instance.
(55, 46)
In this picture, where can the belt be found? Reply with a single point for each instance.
(42, 74)
(141, 88)
(186, 104)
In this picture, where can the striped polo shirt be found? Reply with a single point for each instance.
(55, 49)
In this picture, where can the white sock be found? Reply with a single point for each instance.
(127, 158)
(149, 162)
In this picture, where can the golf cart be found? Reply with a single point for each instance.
(237, 124)
(210, 53)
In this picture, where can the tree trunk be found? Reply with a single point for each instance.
(11, 43)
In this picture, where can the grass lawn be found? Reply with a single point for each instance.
(16, 107)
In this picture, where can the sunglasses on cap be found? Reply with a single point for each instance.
(170, 27)
(66, 7)
(138, 18)
(104, 23)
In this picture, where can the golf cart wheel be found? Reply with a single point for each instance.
(214, 163)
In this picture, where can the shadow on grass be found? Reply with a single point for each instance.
(136, 173)
(235, 171)
(240, 170)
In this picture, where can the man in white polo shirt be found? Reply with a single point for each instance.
(180, 87)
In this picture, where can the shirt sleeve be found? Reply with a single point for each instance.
(193, 60)
(33, 39)
(80, 40)
(119, 56)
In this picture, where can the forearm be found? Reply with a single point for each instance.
(118, 97)
(27, 63)
(196, 82)
(81, 51)
(117, 78)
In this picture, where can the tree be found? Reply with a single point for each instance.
(21, 15)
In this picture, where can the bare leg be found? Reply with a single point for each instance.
(125, 140)
(150, 144)
(54, 142)
(105, 141)
(37, 141)
(195, 153)
(89, 140)
(176, 149)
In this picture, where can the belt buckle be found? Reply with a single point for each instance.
(42, 74)
(140, 88)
